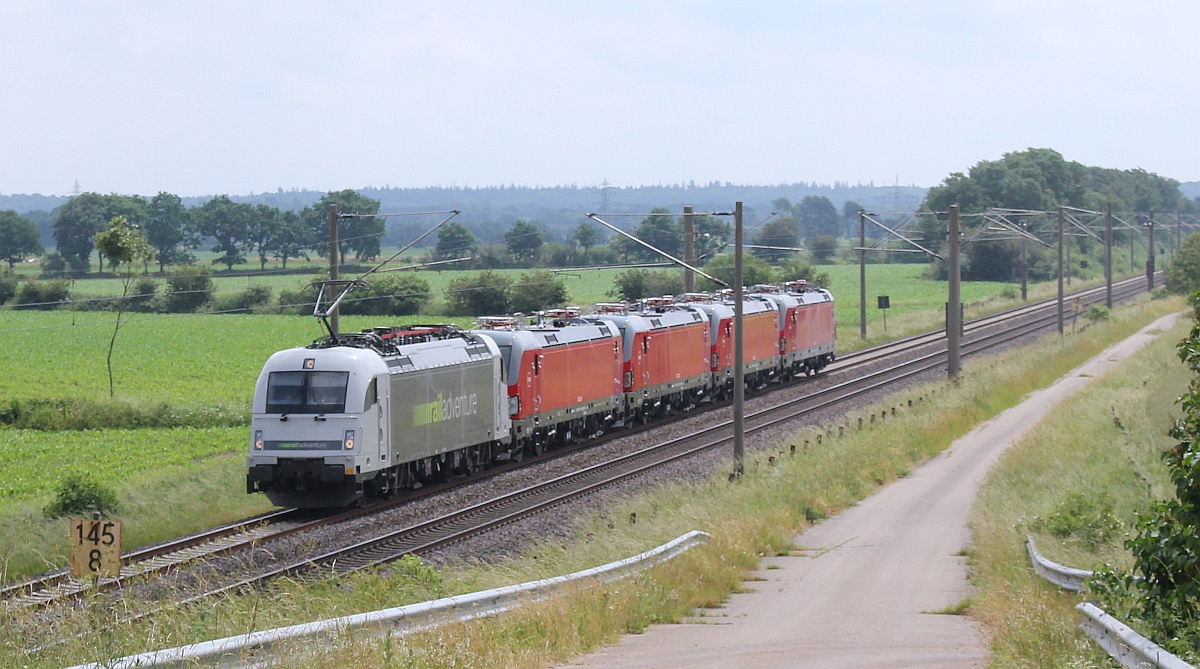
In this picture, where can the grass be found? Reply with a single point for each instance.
(760, 515)
(1074, 484)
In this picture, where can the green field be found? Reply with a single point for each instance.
(199, 362)
(206, 359)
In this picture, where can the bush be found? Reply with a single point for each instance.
(635, 284)
(1097, 312)
(390, 294)
(1182, 276)
(43, 294)
(142, 296)
(797, 268)
(187, 290)
(54, 266)
(538, 290)
(1087, 518)
(823, 247)
(754, 270)
(85, 414)
(80, 494)
(480, 295)
(8, 286)
(246, 300)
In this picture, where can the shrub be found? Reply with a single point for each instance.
(538, 290)
(8, 286)
(1089, 519)
(245, 300)
(393, 295)
(84, 414)
(80, 494)
(43, 294)
(53, 266)
(142, 295)
(635, 284)
(1097, 312)
(479, 295)
(797, 268)
(188, 289)
(823, 247)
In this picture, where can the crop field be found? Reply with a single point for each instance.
(206, 360)
(33, 461)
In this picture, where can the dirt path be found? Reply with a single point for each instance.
(865, 590)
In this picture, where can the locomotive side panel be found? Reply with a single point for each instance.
(674, 354)
(761, 333)
(579, 373)
(815, 331)
(441, 409)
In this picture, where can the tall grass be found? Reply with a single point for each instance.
(783, 492)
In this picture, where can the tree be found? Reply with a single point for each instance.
(75, 227)
(18, 238)
(484, 294)
(754, 270)
(266, 223)
(712, 233)
(1041, 180)
(850, 210)
(586, 235)
(659, 230)
(1183, 274)
(454, 241)
(290, 239)
(537, 290)
(123, 244)
(778, 232)
(818, 216)
(227, 222)
(524, 241)
(823, 247)
(359, 228)
(389, 294)
(636, 284)
(797, 268)
(167, 227)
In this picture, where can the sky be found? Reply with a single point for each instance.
(203, 98)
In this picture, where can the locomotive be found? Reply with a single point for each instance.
(359, 415)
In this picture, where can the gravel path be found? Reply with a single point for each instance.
(863, 591)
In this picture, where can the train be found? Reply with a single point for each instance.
(361, 415)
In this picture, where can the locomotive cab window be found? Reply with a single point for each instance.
(307, 392)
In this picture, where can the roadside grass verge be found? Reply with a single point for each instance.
(782, 493)
(168, 483)
(1075, 484)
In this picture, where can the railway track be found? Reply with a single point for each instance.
(460, 525)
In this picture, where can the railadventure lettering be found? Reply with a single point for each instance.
(445, 408)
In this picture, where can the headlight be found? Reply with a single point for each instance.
(348, 440)
(258, 440)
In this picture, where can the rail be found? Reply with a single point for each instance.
(257, 648)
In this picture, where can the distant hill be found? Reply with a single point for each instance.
(1190, 189)
(560, 204)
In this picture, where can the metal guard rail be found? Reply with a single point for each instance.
(1126, 646)
(256, 648)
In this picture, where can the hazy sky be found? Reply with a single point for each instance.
(231, 97)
